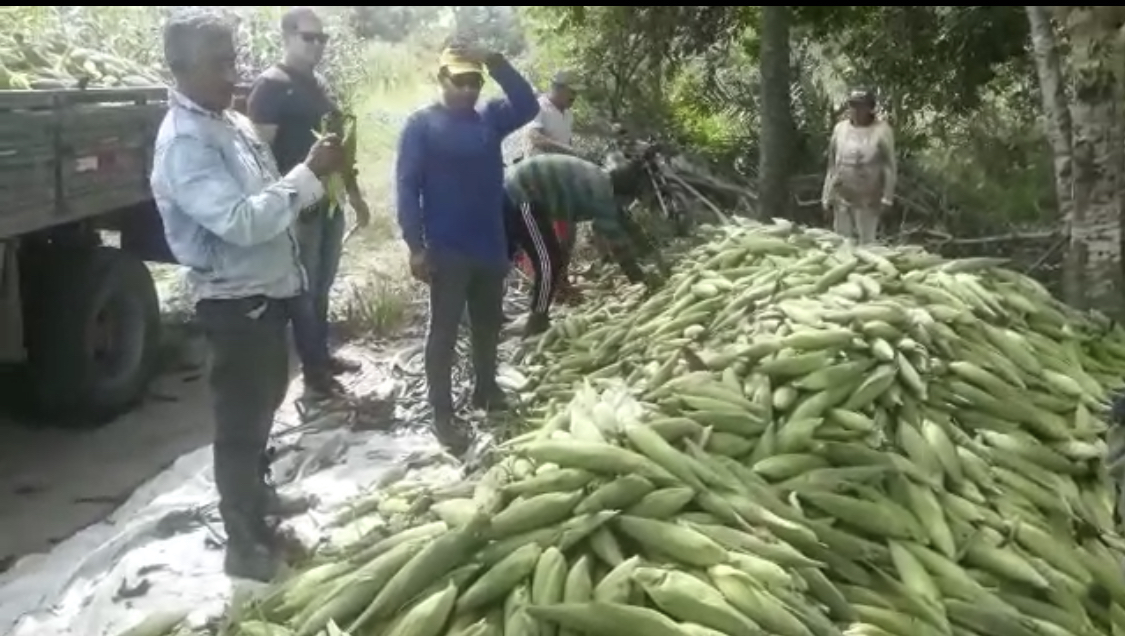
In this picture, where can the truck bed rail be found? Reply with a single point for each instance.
(70, 154)
(24, 100)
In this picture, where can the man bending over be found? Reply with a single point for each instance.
(547, 188)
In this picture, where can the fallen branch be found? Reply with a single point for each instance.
(948, 239)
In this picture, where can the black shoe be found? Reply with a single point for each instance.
(490, 399)
(256, 561)
(250, 551)
(320, 387)
(453, 434)
(536, 324)
(341, 366)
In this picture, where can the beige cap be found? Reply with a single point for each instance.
(569, 79)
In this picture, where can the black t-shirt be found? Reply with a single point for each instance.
(294, 102)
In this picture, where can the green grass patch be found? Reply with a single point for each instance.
(377, 294)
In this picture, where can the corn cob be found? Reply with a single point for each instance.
(795, 436)
(343, 125)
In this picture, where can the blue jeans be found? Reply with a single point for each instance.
(320, 237)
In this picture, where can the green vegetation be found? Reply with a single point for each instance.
(983, 151)
(968, 130)
(378, 299)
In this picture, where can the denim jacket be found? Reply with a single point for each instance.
(227, 212)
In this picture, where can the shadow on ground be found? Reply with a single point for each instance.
(57, 479)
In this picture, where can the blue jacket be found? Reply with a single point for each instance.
(450, 172)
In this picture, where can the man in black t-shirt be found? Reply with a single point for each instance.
(287, 103)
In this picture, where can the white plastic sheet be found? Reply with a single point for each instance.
(159, 550)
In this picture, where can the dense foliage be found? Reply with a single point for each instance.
(956, 82)
(1004, 116)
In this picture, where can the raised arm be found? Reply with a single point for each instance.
(193, 174)
(519, 104)
(408, 181)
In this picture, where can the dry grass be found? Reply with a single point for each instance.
(376, 297)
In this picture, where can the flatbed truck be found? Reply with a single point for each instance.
(79, 316)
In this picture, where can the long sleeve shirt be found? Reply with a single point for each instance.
(227, 211)
(568, 189)
(449, 172)
(862, 167)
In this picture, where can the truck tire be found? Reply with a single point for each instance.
(93, 335)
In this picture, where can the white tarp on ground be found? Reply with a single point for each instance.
(160, 550)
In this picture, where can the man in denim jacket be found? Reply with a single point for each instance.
(228, 216)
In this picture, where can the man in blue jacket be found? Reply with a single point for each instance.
(450, 180)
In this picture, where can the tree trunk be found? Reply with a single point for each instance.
(1097, 153)
(776, 116)
(1056, 114)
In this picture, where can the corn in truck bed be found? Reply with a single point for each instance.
(79, 319)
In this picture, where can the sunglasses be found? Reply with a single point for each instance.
(314, 38)
(467, 80)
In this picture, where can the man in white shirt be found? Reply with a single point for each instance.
(553, 128)
(551, 132)
(228, 216)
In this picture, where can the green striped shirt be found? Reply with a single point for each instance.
(567, 189)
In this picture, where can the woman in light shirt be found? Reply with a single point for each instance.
(862, 170)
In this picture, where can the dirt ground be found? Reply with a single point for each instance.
(56, 481)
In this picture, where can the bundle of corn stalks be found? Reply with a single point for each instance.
(55, 63)
(70, 46)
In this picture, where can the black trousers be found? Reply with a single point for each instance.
(249, 377)
(529, 229)
(457, 283)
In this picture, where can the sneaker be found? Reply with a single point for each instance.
(251, 560)
(453, 434)
(536, 324)
(250, 553)
(491, 399)
(322, 387)
(341, 366)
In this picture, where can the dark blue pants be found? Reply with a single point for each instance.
(320, 237)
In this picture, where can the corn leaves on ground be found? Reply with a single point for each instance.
(794, 437)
